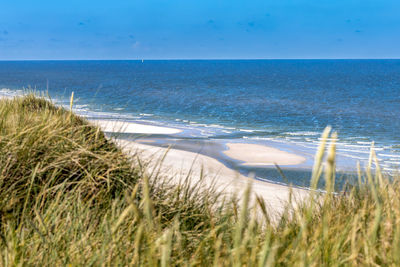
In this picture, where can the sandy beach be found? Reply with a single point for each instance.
(177, 164)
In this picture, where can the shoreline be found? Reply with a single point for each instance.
(248, 158)
(286, 154)
(228, 152)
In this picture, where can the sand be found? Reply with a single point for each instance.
(130, 127)
(178, 163)
(255, 155)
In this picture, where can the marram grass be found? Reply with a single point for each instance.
(69, 196)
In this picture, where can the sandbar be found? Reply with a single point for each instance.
(115, 126)
(255, 155)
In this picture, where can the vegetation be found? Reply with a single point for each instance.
(70, 196)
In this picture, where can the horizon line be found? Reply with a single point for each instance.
(199, 59)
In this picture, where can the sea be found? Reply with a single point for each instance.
(280, 103)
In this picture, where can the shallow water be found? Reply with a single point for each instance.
(286, 102)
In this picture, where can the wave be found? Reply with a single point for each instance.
(247, 130)
(306, 133)
(9, 93)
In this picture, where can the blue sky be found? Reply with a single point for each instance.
(187, 29)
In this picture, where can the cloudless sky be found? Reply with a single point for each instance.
(202, 29)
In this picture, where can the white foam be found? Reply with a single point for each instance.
(353, 156)
(303, 133)
(8, 93)
(389, 155)
(355, 151)
(102, 114)
(364, 143)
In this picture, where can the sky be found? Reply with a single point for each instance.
(206, 29)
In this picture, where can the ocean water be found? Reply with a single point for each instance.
(288, 102)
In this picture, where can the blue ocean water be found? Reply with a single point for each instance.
(286, 101)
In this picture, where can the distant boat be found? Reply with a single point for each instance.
(142, 60)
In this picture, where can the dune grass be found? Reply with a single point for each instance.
(70, 196)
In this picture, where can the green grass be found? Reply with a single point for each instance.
(70, 196)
